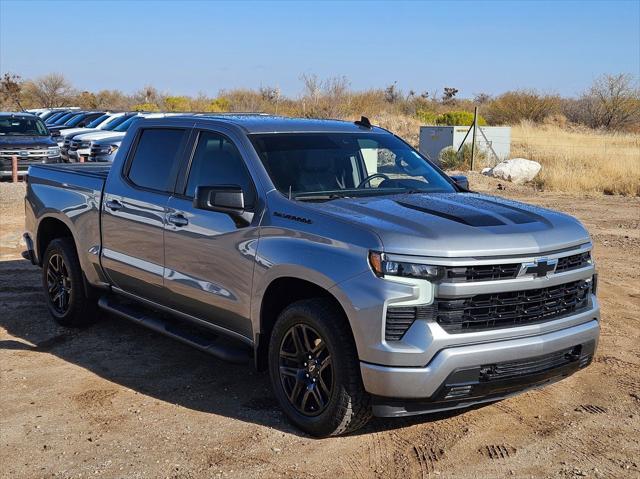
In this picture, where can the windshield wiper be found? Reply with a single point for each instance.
(313, 196)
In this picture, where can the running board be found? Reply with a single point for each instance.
(227, 350)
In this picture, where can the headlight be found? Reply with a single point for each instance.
(55, 151)
(382, 267)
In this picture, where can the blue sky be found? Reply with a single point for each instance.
(186, 47)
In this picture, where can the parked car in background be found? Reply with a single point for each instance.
(104, 145)
(100, 123)
(79, 121)
(331, 254)
(24, 135)
(60, 116)
(45, 113)
(79, 142)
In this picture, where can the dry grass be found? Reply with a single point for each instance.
(580, 160)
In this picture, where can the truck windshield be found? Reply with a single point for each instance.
(112, 124)
(319, 166)
(97, 121)
(22, 127)
(75, 120)
(125, 124)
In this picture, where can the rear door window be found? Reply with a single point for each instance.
(156, 158)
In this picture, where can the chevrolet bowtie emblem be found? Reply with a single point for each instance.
(539, 268)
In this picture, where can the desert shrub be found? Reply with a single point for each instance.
(145, 107)
(515, 106)
(219, 105)
(177, 103)
(458, 118)
(451, 159)
(426, 117)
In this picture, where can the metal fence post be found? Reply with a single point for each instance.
(14, 169)
(473, 141)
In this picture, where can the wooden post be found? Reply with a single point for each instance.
(473, 141)
(14, 169)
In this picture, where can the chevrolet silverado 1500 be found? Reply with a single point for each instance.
(332, 254)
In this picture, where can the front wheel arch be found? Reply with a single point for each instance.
(281, 293)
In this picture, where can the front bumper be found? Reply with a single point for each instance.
(101, 158)
(454, 377)
(23, 165)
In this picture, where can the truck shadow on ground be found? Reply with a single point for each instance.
(144, 361)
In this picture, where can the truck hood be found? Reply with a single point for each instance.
(459, 224)
(14, 141)
(69, 132)
(100, 135)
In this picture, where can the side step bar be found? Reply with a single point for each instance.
(227, 350)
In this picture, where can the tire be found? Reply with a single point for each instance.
(328, 410)
(61, 271)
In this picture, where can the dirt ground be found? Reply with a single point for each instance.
(116, 400)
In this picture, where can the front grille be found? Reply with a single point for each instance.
(575, 261)
(400, 318)
(492, 272)
(509, 309)
(534, 365)
(38, 153)
(486, 272)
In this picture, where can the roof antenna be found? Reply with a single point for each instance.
(364, 121)
(289, 191)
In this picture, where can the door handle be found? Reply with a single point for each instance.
(114, 205)
(178, 220)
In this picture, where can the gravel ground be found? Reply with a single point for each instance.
(118, 401)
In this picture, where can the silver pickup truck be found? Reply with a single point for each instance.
(330, 253)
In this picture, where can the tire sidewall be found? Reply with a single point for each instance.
(60, 246)
(328, 420)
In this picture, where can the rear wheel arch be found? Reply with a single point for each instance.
(281, 293)
(50, 228)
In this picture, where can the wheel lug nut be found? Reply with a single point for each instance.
(305, 364)
(307, 375)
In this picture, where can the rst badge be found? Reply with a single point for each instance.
(539, 268)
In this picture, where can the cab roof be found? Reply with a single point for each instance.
(261, 123)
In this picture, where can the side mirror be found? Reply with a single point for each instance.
(461, 180)
(224, 199)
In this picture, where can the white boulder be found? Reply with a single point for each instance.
(516, 170)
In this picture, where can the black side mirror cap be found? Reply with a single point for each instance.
(223, 198)
(462, 181)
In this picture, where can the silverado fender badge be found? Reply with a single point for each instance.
(287, 216)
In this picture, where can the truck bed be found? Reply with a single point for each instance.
(71, 195)
(98, 170)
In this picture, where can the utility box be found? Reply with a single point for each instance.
(496, 146)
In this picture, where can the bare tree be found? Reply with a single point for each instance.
(612, 102)
(148, 94)
(312, 88)
(481, 98)
(51, 90)
(392, 93)
(10, 89)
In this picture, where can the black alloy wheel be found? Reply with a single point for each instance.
(306, 370)
(58, 283)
